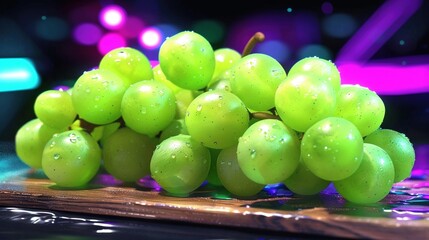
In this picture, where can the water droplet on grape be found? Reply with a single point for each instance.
(229, 163)
(88, 90)
(72, 137)
(253, 153)
(143, 110)
(173, 156)
(161, 92)
(57, 156)
(199, 108)
(270, 138)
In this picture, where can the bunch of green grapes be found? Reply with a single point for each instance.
(237, 121)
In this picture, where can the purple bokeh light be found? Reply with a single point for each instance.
(87, 33)
(327, 8)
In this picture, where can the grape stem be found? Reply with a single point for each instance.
(89, 127)
(264, 115)
(256, 38)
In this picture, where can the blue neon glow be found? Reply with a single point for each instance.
(17, 74)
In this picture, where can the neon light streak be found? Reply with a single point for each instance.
(17, 74)
(377, 30)
(385, 77)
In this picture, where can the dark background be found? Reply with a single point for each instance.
(62, 61)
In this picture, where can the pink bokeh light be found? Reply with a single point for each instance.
(110, 41)
(132, 27)
(113, 17)
(150, 38)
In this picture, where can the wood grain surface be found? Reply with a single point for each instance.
(324, 215)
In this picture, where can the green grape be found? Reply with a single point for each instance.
(332, 148)
(55, 109)
(372, 181)
(176, 127)
(217, 119)
(304, 182)
(255, 79)
(399, 148)
(71, 158)
(213, 177)
(187, 59)
(180, 164)
(131, 64)
(108, 130)
(323, 69)
(158, 75)
(30, 140)
(303, 99)
(97, 96)
(221, 84)
(268, 152)
(127, 154)
(361, 106)
(184, 97)
(148, 107)
(231, 175)
(225, 59)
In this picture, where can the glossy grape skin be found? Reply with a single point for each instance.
(97, 96)
(303, 99)
(127, 154)
(55, 109)
(187, 59)
(304, 182)
(148, 107)
(176, 127)
(184, 97)
(361, 106)
(232, 177)
(323, 69)
(213, 177)
(332, 148)
(268, 152)
(255, 78)
(399, 148)
(180, 164)
(71, 158)
(225, 59)
(130, 63)
(158, 75)
(372, 181)
(30, 140)
(216, 119)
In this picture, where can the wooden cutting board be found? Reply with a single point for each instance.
(404, 213)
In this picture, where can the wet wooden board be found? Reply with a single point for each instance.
(324, 215)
